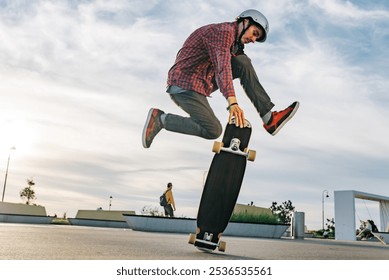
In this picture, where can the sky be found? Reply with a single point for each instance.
(78, 78)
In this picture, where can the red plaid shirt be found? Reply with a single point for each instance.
(204, 62)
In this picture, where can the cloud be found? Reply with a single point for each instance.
(349, 13)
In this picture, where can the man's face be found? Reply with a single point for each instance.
(252, 34)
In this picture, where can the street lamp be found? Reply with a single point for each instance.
(322, 207)
(110, 202)
(6, 172)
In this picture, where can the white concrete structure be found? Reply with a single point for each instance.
(345, 228)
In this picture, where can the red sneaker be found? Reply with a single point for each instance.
(152, 126)
(278, 119)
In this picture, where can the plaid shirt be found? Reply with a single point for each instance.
(204, 62)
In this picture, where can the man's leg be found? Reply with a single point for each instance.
(170, 210)
(243, 69)
(201, 122)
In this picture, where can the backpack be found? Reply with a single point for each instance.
(162, 200)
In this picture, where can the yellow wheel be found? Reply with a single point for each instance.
(192, 238)
(217, 147)
(222, 246)
(251, 155)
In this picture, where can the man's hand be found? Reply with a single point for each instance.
(235, 111)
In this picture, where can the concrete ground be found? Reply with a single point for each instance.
(63, 242)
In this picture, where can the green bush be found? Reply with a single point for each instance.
(60, 221)
(255, 218)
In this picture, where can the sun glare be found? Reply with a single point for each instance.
(18, 135)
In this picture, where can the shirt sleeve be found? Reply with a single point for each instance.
(218, 43)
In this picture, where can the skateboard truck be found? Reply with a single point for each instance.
(235, 143)
(207, 236)
(234, 149)
(206, 243)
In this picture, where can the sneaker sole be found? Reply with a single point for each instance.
(287, 119)
(145, 128)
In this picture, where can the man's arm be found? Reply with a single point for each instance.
(218, 44)
(235, 112)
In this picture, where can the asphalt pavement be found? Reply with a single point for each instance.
(64, 242)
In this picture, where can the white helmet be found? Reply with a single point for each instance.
(258, 19)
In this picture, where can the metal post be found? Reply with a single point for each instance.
(6, 173)
(298, 225)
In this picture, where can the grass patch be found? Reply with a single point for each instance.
(255, 218)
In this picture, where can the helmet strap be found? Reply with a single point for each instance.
(245, 28)
(238, 47)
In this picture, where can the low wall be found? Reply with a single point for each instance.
(97, 223)
(23, 213)
(22, 209)
(188, 225)
(103, 215)
(25, 219)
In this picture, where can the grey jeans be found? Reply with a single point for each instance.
(202, 121)
(168, 210)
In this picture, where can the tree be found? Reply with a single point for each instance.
(283, 211)
(28, 193)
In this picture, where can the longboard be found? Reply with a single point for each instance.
(222, 186)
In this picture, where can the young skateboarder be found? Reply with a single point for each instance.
(210, 59)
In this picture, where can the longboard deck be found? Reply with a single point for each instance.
(221, 189)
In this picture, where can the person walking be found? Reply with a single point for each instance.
(171, 206)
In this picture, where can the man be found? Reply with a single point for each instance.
(210, 59)
(171, 206)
